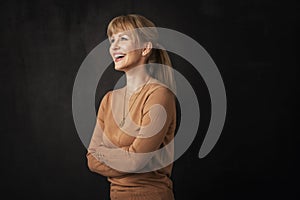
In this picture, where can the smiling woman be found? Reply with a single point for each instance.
(135, 121)
(125, 51)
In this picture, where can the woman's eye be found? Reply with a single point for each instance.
(112, 40)
(124, 38)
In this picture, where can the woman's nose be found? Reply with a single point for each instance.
(115, 45)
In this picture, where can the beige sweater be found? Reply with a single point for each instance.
(109, 142)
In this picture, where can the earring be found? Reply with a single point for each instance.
(144, 53)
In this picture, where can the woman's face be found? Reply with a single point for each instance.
(125, 51)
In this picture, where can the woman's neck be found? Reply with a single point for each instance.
(135, 78)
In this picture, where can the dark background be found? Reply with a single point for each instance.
(253, 43)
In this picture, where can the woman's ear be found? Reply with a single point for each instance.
(147, 48)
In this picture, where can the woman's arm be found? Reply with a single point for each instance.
(101, 168)
(158, 117)
(95, 164)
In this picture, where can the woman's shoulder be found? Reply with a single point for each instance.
(114, 92)
(157, 87)
(158, 93)
(111, 93)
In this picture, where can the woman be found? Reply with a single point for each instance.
(137, 121)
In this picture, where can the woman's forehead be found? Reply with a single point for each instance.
(118, 27)
(119, 33)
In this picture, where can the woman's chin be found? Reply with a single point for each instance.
(120, 68)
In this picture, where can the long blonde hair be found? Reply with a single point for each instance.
(147, 32)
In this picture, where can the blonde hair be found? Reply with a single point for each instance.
(146, 32)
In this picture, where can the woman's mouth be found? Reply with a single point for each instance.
(118, 56)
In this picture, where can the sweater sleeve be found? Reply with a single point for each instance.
(100, 168)
(94, 163)
(158, 115)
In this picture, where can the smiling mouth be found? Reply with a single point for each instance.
(118, 57)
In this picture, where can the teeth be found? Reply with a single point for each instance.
(118, 55)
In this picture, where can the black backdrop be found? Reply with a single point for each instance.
(253, 43)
